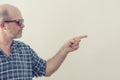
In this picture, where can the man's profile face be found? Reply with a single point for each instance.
(14, 30)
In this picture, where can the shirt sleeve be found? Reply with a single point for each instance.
(38, 65)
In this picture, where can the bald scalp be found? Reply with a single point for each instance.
(3, 13)
(8, 12)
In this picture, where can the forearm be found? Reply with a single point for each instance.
(54, 63)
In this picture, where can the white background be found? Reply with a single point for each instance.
(50, 23)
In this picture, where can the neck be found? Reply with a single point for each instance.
(5, 45)
(5, 42)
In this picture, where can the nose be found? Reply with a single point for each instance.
(22, 26)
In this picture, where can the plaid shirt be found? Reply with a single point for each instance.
(22, 64)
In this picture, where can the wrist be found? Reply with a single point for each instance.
(63, 51)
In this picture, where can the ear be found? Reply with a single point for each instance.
(1, 24)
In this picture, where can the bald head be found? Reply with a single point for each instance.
(9, 12)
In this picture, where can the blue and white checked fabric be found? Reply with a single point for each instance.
(22, 64)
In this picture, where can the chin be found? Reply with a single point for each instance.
(18, 36)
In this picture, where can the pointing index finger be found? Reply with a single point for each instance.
(82, 36)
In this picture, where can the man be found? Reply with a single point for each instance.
(17, 60)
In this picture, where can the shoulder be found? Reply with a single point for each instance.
(19, 44)
(22, 47)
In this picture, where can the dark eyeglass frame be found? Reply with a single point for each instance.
(19, 21)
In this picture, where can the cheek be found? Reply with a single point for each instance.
(12, 31)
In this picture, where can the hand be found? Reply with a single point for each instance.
(72, 44)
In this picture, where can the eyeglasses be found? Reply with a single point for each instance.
(19, 21)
